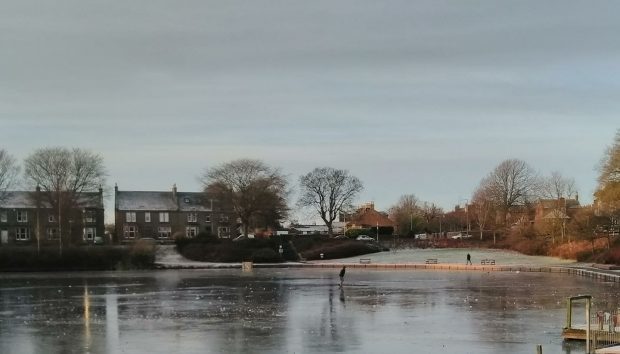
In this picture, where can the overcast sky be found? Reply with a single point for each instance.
(421, 97)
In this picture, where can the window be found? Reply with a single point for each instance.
(192, 217)
(208, 218)
(130, 216)
(191, 231)
(223, 231)
(51, 218)
(130, 231)
(147, 217)
(3, 216)
(22, 234)
(52, 233)
(22, 216)
(164, 217)
(223, 218)
(164, 231)
(89, 216)
(89, 233)
(186, 200)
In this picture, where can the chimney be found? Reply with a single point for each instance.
(174, 191)
(577, 197)
(115, 188)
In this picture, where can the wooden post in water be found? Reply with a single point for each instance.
(588, 328)
(569, 312)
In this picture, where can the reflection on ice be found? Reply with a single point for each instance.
(289, 310)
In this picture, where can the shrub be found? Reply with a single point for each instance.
(263, 255)
(75, 258)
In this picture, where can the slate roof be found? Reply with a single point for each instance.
(160, 201)
(26, 200)
(132, 200)
(193, 201)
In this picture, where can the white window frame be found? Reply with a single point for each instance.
(147, 217)
(51, 218)
(89, 233)
(130, 231)
(130, 216)
(22, 216)
(191, 231)
(192, 217)
(208, 218)
(164, 232)
(4, 216)
(164, 216)
(52, 233)
(22, 234)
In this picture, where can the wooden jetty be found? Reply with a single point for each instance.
(600, 330)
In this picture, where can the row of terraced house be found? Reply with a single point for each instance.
(28, 217)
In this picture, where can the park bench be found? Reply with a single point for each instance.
(431, 261)
(487, 262)
(364, 260)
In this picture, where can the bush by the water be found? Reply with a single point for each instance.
(259, 250)
(77, 258)
(311, 247)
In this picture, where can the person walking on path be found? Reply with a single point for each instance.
(468, 259)
(342, 271)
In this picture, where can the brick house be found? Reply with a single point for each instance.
(555, 209)
(164, 215)
(27, 217)
(367, 217)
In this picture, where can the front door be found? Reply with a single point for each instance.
(4, 237)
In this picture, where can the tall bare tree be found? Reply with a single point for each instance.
(64, 176)
(254, 190)
(430, 212)
(482, 206)
(8, 172)
(329, 191)
(406, 214)
(557, 186)
(513, 182)
(608, 190)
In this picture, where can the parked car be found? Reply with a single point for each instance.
(420, 237)
(460, 236)
(98, 240)
(364, 238)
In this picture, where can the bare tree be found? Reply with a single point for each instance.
(64, 176)
(513, 182)
(482, 206)
(406, 213)
(608, 190)
(8, 172)
(329, 191)
(557, 186)
(429, 212)
(254, 190)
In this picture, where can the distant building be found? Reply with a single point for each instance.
(164, 215)
(27, 217)
(555, 209)
(310, 229)
(367, 217)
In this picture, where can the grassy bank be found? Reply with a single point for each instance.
(138, 256)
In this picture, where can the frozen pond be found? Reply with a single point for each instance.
(289, 311)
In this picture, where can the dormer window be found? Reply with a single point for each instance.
(186, 200)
